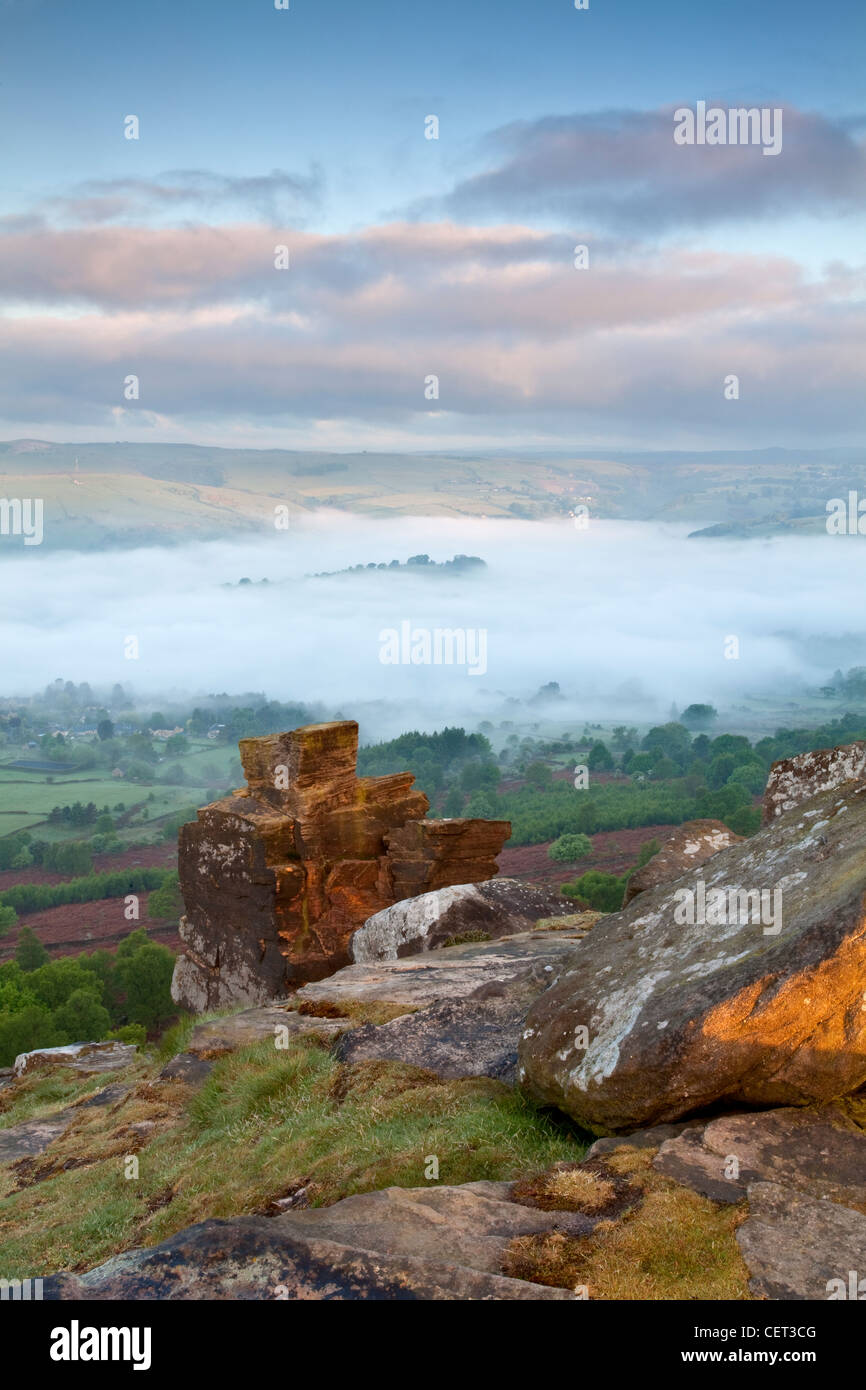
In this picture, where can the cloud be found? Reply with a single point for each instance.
(621, 170)
(356, 325)
(272, 196)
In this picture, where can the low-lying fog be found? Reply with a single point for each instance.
(628, 617)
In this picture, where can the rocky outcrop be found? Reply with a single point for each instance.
(690, 845)
(277, 877)
(502, 907)
(795, 780)
(742, 983)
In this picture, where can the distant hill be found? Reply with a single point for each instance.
(126, 494)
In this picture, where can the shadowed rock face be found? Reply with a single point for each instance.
(681, 1014)
(277, 877)
(688, 847)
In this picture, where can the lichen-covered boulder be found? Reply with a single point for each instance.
(690, 845)
(742, 982)
(795, 780)
(500, 907)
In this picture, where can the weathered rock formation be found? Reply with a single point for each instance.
(502, 907)
(277, 877)
(703, 991)
(690, 845)
(795, 780)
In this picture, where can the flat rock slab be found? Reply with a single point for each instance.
(818, 1152)
(497, 908)
(84, 1057)
(475, 1036)
(219, 1036)
(442, 1244)
(798, 1248)
(471, 1224)
(34, 1136)
(448, 974)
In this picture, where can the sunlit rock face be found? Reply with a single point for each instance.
(743, 982)
(277, 877)
(795, 780)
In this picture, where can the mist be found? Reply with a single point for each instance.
(628, 618)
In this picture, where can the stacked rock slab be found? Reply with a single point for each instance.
(277, 877)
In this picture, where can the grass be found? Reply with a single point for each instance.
(261, 1122)
(669, 1243)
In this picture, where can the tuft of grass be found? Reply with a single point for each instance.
(672, 1244)
(463, 938)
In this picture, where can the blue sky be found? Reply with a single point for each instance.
(310, 122)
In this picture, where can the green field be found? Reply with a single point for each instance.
(26, 798)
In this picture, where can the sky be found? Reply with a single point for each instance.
(414, 258)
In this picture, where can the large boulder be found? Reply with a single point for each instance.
(501, 907)
(277, 877)
(795, 780)
(741, 982)
(690, 845)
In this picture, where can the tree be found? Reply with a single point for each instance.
(569, 848)
(673, 740)
(30, 953)
(699, 716)
(105, 730)
(604, 892)
(146, 975)
(539, 776)
(720, 770)
(8, 918)
(453, 804)
(176, 745)
(82, 1018)
(600, 758)
(166, 902)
